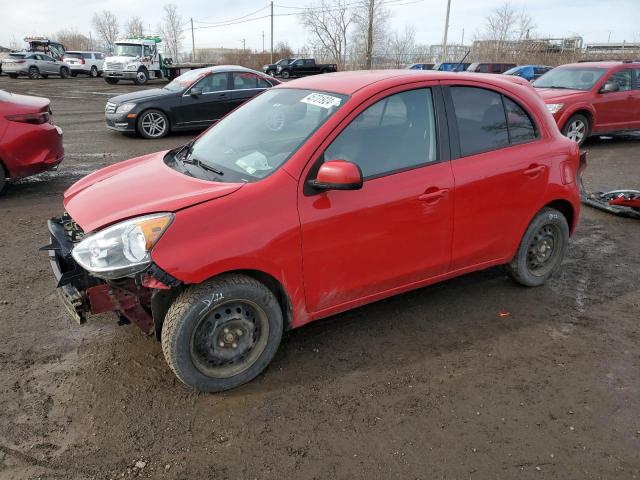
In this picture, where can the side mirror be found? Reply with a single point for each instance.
(610, 86)
(338, 175)
(195, 92)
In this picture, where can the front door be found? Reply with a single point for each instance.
(499, 177)
(210, 104)
(396, 230)
(616, 110)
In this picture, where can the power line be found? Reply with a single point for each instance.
(234, 19)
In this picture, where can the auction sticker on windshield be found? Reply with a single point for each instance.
(321, 100)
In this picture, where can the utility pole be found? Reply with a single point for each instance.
(446, 31)
(263, 41)
(369, 55)
(271, 32)
(243, 45)
(193, 44)
(462, 41)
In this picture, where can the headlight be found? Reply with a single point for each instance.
(554, 107)
(125, 107)
(132, 66)
(279, 68)
(122, 249)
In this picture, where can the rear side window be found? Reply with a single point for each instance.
(486, 123)
(99, 56)
(395, 133)
(86, 55)
(246, 80)
(482, 124)
(637, 78)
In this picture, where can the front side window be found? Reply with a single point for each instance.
(128, 50)
(570, 78)
(637, 78)
(481, 121)
(216, 82)
(623, 77)
(395, 133)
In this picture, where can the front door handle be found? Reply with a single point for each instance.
(534, 170)
(433, 195)
(223, 95)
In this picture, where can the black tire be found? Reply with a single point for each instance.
(271, 73)
(3, 179)
(197, 327)
(13, 75)
(577, 128)
(44, 75)
(34, 73)
(541, 249)
(325, 70)
(74, 74)
(285, 74)
(111, 81)
(142, 77)
(94, 72)
(64, 72)
(153, 124)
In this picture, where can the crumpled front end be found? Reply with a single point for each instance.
(141, 299)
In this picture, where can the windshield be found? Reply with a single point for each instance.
(255, 139)
(128, 50)
(185, 80)
(573, 78)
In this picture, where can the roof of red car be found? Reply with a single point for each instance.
(608, 64)
(350, 82)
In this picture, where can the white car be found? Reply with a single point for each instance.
(88, 63)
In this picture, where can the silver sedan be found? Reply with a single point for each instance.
(34, 65)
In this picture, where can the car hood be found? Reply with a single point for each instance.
(558, 93)
(141, 95)
(137, 187)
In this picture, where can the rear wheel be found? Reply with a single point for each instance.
(74, 74)
(3, 179)
(153, 124)
(94, 72)
(34, 73)
(222, 333)
(541, 249)
(111, 81)
(285, 74)
(64, 72)
(577, 128)
(45, 76)
(142, 77)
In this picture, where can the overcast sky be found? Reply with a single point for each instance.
(593, 19)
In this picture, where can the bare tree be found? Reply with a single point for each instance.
(13, 44)
(507, 24)
(73, 40)
(171, 30)
(134, 27)
(283, 50)
(106, 24)
(371, 19)
(329, 21)
(402, 45)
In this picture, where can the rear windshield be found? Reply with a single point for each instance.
(17, 55)
(73, 55)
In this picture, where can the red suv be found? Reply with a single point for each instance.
(317, 196)
(592, 98)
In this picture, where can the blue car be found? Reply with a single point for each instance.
(451, 66)
(528, 72)
(420, 66)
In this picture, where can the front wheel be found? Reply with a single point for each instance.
(142, 77)
(222, 333)
(64, 72)
(153, 124)
(577, 128)
(285, 74)
(94, 71)
(541, 249)
(111, 81)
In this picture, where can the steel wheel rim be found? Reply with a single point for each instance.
(543, 250)
(33, 72)
(141, 77)
(153, 124)
(229, 338)
(577, 131)
(94, 72)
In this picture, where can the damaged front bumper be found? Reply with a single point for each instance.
(142, 300)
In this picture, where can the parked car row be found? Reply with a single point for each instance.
(41, 65)
(298, 67)
(528, 72)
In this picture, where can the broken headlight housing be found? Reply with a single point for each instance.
(123, 249)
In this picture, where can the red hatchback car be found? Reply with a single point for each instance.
(592, 98)
(29, 141)
(317, 196)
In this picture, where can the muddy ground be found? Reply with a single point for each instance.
(431, 384)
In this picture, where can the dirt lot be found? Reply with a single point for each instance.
(431, 384)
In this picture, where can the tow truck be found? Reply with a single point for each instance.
(139, 59)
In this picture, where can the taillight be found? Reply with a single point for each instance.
(82, 61)
(582, 166)
(33, 118)
(19, 61)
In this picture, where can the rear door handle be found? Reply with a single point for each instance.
(433, 196)
(534, 170)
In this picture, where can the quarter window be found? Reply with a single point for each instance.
(521, 128)
(395, 133)
(482, 124)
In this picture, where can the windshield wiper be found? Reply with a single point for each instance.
(560, 87)
(204, 166)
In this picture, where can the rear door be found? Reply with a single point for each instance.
(635, 96)
(245, 85)
(499, 179)
(396, 230)
(616, 110)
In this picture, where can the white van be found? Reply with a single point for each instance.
(88, 63)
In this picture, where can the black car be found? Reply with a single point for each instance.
(273, 68)
(192, 101)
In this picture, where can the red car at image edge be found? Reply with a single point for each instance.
(316, 197)
(29, 141)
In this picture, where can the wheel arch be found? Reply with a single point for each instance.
(565, 208)
(583, 110)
